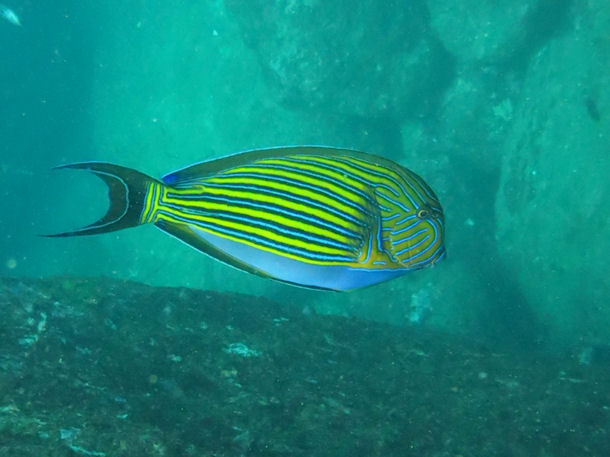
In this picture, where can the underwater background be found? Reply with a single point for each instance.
(503, 107)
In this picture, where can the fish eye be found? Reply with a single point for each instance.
(423, 213)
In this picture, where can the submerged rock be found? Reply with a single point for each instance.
(490, 33)
(356, 59)
(123, 369)
(473, 30)
(551, 208)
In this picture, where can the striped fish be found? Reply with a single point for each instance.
(311, 216)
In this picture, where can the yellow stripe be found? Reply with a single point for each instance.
(315, 196)
(374, 167)
(384, 171)
(321, 171)
(405, 177)
(369, 178)
(160, 190)
(272, 200)
(274, 237)
(347, 195)
(148, 213)
(196, 189)
(419, 184)
(257, 246)
(259, 215)
(401, 245)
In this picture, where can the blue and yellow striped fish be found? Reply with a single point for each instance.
(312, 216)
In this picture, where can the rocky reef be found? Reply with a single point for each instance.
(114, 368)
(553, 225)
(502, 107)
(355, 59)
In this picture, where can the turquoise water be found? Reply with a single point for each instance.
(502, 107)
(474, 110)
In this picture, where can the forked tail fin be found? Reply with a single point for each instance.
(127, 191)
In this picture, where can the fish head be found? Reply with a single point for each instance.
(431, 218)
(421, 243)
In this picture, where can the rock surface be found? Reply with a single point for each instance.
(343, 57)
(112, 368)
(491, 33)
(552, 205)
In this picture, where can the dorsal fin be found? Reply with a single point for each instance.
(192, 173)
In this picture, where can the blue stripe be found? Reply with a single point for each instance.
(257, 240)
(431, 259)
(312, 174)
(423, 185)
(409, 227)
(232, 201)
(290, 197)
(146, 214)
(369, 250)
(389, 218)
(285, 230)
(350, 174)
(410, 237)
(427, 259)
(342, 184)
(408, 175)
(369, 183)
(405, 219)
(429, 246)
(394, 202)
(376, 185)
(301, 184)
(379, 240)
(402, 251)
(328, 167)
(381, 176)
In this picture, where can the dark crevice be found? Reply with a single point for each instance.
(547, 20)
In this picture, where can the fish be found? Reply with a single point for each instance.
(312, 216)
(9, 15)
